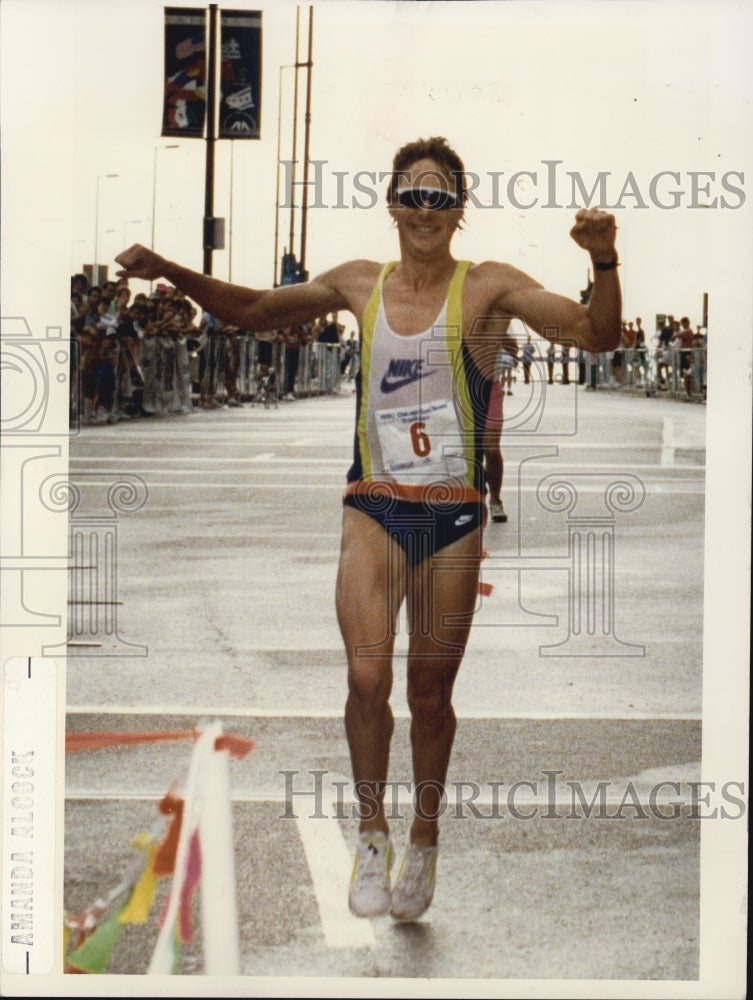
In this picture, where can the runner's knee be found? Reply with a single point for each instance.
(370, 686)
(429, 699)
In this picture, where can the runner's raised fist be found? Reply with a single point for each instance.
(595, 231)
(140, 262)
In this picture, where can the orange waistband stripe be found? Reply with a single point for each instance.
(433, 493)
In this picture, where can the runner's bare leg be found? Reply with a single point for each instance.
(370, 589)
(442, 596)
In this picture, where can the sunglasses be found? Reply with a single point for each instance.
(421, 197)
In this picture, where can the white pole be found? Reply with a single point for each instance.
(162, 958)
(230, 216)
(95, 263)
(206, 806)
(173, 145)
(218, 890)
(154, 194)
(131, 222)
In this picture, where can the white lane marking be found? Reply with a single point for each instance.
(231, 711)
(241, 484)
(188, 486)
(330, 861)
(318, 467)
(667, 442)
(180, 460)
(330, 865)
(658, 474)
(283, 460)
(272, 458)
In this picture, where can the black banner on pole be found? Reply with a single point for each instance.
(240, 75)
(185, 72)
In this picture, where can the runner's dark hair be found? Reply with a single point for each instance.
(437, 149)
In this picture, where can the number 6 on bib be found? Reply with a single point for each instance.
(420, 440)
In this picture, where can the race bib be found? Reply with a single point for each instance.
(421, 444)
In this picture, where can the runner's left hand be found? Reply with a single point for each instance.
(595, 231)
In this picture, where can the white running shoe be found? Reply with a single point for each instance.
(497, 511)
(369, 894)
(414, 889)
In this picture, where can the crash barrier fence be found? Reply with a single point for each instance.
(173, 374)
(679, 373)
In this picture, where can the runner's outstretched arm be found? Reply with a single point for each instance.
(245, 308)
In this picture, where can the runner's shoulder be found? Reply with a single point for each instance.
(491, 281)
(354, 279)
(495, 272)
(351, 271)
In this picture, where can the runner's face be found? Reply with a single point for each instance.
(426, 229)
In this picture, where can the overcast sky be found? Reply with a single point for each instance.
(651, 95)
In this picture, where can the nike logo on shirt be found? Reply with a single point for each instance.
(402, 372)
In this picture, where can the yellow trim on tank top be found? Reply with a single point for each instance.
(367, 335)
(454, 342)
(453, 319)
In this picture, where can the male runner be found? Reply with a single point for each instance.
(413, 506)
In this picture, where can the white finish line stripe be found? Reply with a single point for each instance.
(188, 486)
(330, 865)
(656, 788)
(233, 711)
(181, 463)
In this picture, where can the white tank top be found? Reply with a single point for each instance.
(416, 426)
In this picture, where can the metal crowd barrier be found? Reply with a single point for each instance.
(165, 367)
(216, 369)
(236, 370)
(317, 374)
(680, 373)
(175, 374)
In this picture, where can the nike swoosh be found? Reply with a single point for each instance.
(463, 519)
(390, 386)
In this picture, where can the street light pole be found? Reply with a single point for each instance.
(230, 217)
(209, 234)
(307, 129)
(173, 145)
(277, 195)
(130, 222)
(95, 264)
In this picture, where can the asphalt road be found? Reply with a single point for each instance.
(584, 666)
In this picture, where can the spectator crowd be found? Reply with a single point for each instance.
(156, 354)
(141, 355)
(674, 362)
